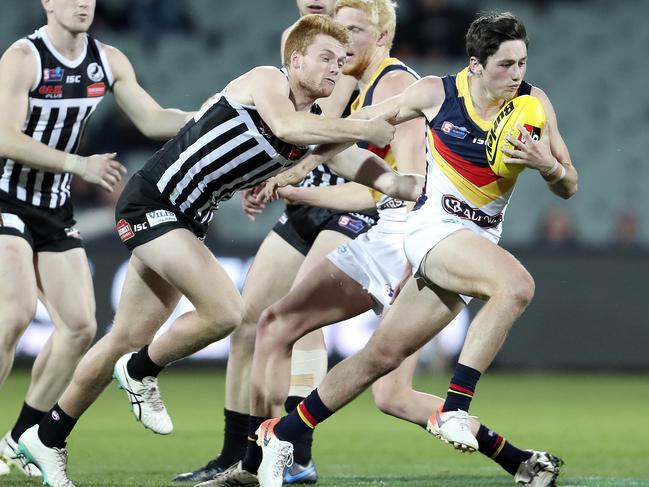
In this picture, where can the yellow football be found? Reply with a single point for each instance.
(524, 110)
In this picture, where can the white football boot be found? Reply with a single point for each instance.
(540, 470)
(145, 399)
(52, 462)
(277, 455)
(10, 457)
(453, 427)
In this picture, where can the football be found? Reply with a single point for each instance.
(524, 110)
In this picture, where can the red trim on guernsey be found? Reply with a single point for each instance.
(478, 175)
(307, 414)
(461, 389)
(378, 151)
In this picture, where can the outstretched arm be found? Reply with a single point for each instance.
(346, 197)
(366, 168)
(146, 114)
(270, 94)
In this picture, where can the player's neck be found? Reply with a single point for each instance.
(67, 43)
(375, 61)
(301, 98)
(484, 102)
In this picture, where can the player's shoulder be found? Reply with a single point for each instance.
(113, 54)
(398, 78)
(268, 74)
(20, 62)
(538, 93)
(431, 87)
(20, 50)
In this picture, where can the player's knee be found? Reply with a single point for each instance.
(521, 290)
(13, 323)
(386, 399)
(230, 319)
(385, 359)
(275, 330)
(243, 337)
(219, 321)
(83, 333)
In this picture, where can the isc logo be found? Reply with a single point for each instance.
(73, 78)
(138, 227)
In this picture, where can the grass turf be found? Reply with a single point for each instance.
(597, 423)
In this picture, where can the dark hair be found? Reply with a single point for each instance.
(487, 32)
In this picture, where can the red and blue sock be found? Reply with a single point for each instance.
(303, 418)
(461, 389)
(496, 447)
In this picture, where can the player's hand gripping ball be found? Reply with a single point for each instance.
(524, 110)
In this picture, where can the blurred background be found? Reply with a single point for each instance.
(589, 255)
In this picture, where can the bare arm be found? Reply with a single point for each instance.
(409, 143)
(421, 98)
(366, 168)
(270, 94)
(334, 105)
(549, 155)
(148, 116)
(348, 196)
(17, 76)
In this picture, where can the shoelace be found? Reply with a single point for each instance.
(285, 460)
(19, 457)
(464, 420)
(151, 394)
(62, 465)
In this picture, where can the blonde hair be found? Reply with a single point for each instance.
(307, 28)
(381, 13)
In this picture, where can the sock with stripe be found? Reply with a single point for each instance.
(235, 439)
(302, 447)
(252, 460)
(27, 418)
(496, 447)
(461, 388)
(140, 365)
(303, 418)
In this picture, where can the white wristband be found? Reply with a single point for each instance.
(562, 174)
(551, 170)
(74, 164)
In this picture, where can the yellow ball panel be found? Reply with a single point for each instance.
(525, 110)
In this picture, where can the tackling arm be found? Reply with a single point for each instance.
(146, 114)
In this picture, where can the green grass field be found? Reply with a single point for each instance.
(598, 423)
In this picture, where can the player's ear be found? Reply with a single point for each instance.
(475, 67)
(296, 60)
(382, 39)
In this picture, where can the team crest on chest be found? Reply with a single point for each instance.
(453, 130)
(95, 72)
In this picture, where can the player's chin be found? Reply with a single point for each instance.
(79, 27)
(326, 88)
